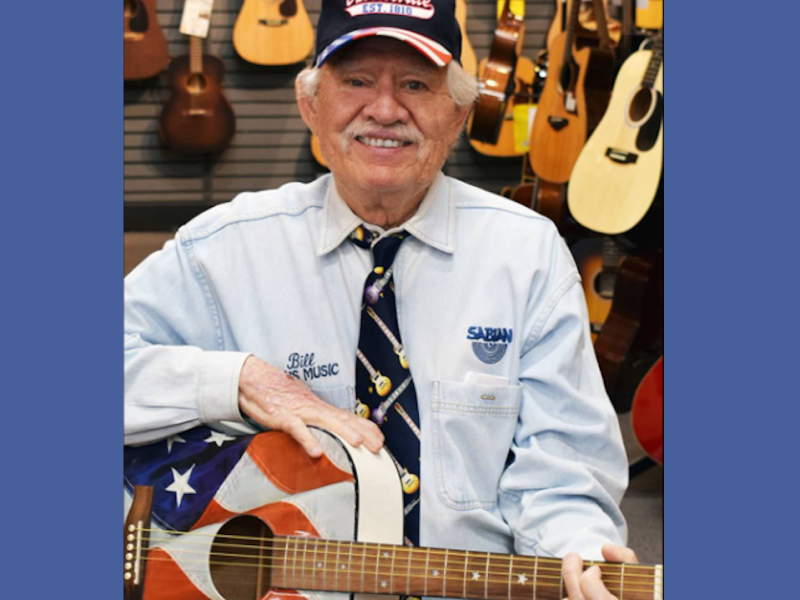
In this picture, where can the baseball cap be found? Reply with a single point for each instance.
(429, 26)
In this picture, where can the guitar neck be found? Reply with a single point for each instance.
(195, 54)
(655, 63)
(572, 23)
(357, 567)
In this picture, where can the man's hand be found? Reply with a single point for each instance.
(588, 585)
(278, 401)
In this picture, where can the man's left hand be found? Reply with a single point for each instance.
(588, 584)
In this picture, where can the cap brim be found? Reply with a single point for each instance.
(433, 51)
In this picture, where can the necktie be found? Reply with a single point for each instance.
(384, 388)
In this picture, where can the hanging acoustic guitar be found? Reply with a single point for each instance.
(197, 119)
(243, 549)
(497, 81)
(273, 32)
(146, 52)
(617, 175)
(574, 98)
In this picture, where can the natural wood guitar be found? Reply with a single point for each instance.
(497, 81)
(468, 59)
(574, 98)
(616, 176)
(597, 260)
(275, 552)
(273, 32)
(197, 119)
(587, 20)
(146, 52)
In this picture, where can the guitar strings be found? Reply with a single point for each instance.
(545, 582)
(407, 562)
(285, 542)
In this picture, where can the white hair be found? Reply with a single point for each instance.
(462, 86)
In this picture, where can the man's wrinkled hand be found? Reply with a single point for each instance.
(278, 401)
(588, 584)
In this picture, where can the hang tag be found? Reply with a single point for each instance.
(196, 17)
(515, 6)
(523, 122)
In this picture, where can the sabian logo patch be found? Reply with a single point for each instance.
(490, 343)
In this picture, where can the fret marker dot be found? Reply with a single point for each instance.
(344, 566)
(319, 565)
(383, 584)
(475, 575)
(521, 579)
(435, 572)
(385, 555)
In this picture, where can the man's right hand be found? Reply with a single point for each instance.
(278, 401)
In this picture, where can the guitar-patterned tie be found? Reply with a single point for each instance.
(384, 389)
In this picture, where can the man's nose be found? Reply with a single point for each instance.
(386, 107)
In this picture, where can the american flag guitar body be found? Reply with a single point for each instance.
(212, 515)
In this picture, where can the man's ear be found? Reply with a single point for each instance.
(306, 106)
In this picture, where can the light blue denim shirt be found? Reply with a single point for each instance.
(521, 449)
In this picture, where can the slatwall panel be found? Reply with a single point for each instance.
(271, 146)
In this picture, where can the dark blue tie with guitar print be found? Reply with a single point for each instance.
(384, 388)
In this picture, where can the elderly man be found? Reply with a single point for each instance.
(387, 300)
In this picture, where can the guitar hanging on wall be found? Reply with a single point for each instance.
(617, 175)
(197, 118)
(146, 52)
(273, 32)
(497, 81)
(250, 520)
(574, 98)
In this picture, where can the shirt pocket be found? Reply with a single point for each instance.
(473, 427)
(343, 397)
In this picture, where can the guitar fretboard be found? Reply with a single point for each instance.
(655, 63)
(312, 564)
(195, 54)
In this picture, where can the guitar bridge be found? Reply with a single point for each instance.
(273, 22)
(557, 123)
(621, 156)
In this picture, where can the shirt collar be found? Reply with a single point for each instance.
(433, 223)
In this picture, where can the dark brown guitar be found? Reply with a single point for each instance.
(146, 53)
(197, 119)
(636, 320)
(574, 98)
(497, 82)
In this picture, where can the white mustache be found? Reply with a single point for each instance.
(362, 128)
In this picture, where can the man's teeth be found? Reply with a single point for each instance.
(381, 143)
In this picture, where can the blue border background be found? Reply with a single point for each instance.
(731, 407)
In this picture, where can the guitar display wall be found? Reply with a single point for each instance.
(271, 145)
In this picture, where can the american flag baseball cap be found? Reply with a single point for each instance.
(429, 26)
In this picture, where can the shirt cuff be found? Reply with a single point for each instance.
(218, 387)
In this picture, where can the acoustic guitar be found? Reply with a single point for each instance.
(574, 98)
(273, 32)
(146, 52)
(597, 260)
(647, 412)
(497, 82)
(524, 75)
(587, 20)
(197, 118)
(616, 176)
(259, 535)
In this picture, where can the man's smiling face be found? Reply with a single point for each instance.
(384, 117)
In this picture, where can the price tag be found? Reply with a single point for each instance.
(196, 17)
(515, 6)
(523, 123)
(642, 4)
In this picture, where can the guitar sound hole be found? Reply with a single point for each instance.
(196, 83)
(565, 77)
(641, 105)
(131, 8)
